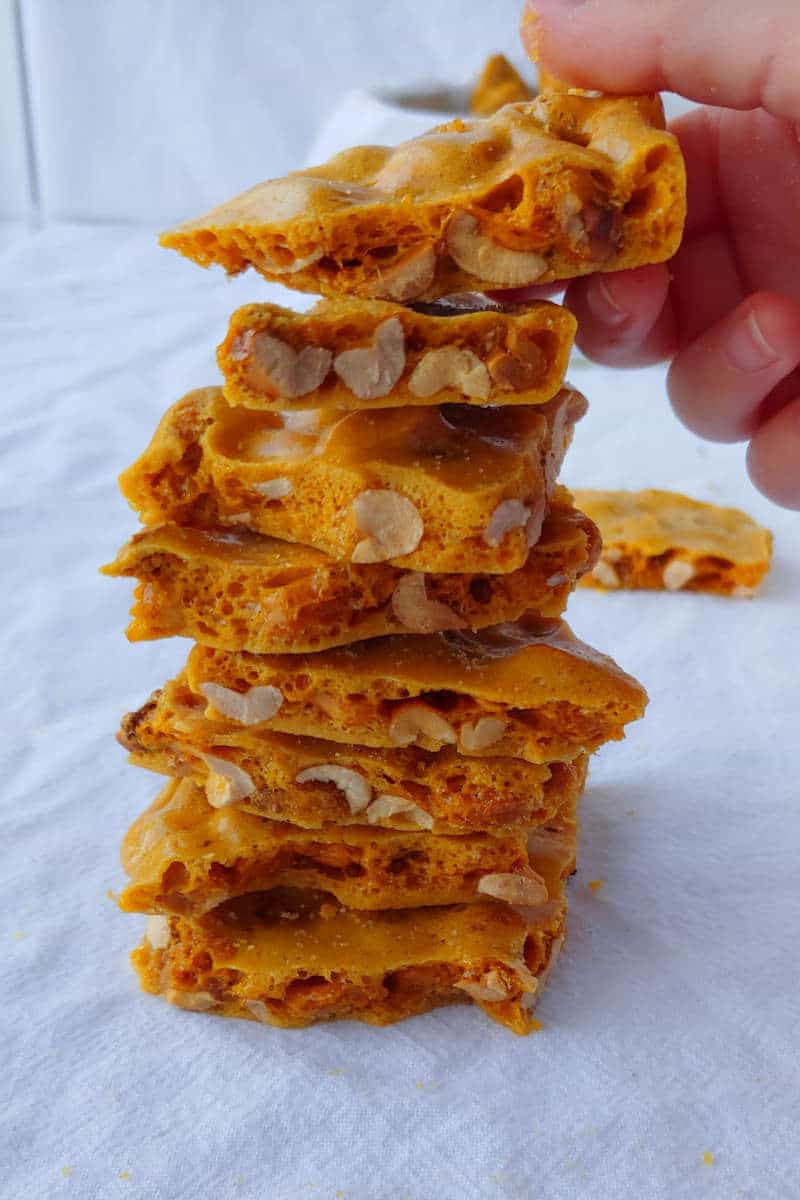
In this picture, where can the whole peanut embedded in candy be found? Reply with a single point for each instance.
(384, 807)
(418, 614)
(479, 254)
(481, 734)
(408, 276)
(372, 371)
(227, 783)
(415, 720)
(528, 890)
(391, 522)
(510, 514)
(355, 787)
(273, 367)
(252, 707)
(450, 366)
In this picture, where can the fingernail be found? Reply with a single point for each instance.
(747, 347)
(602, 305)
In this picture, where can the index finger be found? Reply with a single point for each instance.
(735, 55)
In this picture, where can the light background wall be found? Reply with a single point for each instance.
(151, 109)
(15, 197)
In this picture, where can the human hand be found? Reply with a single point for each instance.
(726, 309)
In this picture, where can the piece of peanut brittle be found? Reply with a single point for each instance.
(238, 590)
(663, 540)
(447, 488)
(562, 185)
(349, 354)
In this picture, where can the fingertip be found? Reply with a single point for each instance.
(699, 402)
(718, 383)
(604, 301)
(579, 45)
(767, 333)
(622, 317)
(637, 295)
(773, 457)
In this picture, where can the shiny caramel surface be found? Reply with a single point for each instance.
(464, 448)
(431, 481)
(517, 663)
(239, 547)
(261, 942)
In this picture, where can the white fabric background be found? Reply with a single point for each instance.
(150, 109)
(671, 1022)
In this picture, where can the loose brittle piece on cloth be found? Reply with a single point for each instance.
(667, 541)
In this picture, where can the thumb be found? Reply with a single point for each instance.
(734, 55)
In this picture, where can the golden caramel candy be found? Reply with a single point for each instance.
(310, 782)
(551, 188)
(349, 354)
(499, 83)
(448, 488)
(525, 689)
(183, 856)
(238, 590)
(290, 958)
(667, 541)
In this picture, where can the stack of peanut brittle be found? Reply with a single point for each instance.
(377, 745)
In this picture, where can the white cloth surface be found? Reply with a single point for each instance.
(670, 1024)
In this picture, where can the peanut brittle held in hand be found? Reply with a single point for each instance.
(183, 856)
(525, 689)
(349, 354)
(238, 590)
(311, 782)
(289, 958)
(546, 189)
(448, 488)
(664, 540)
